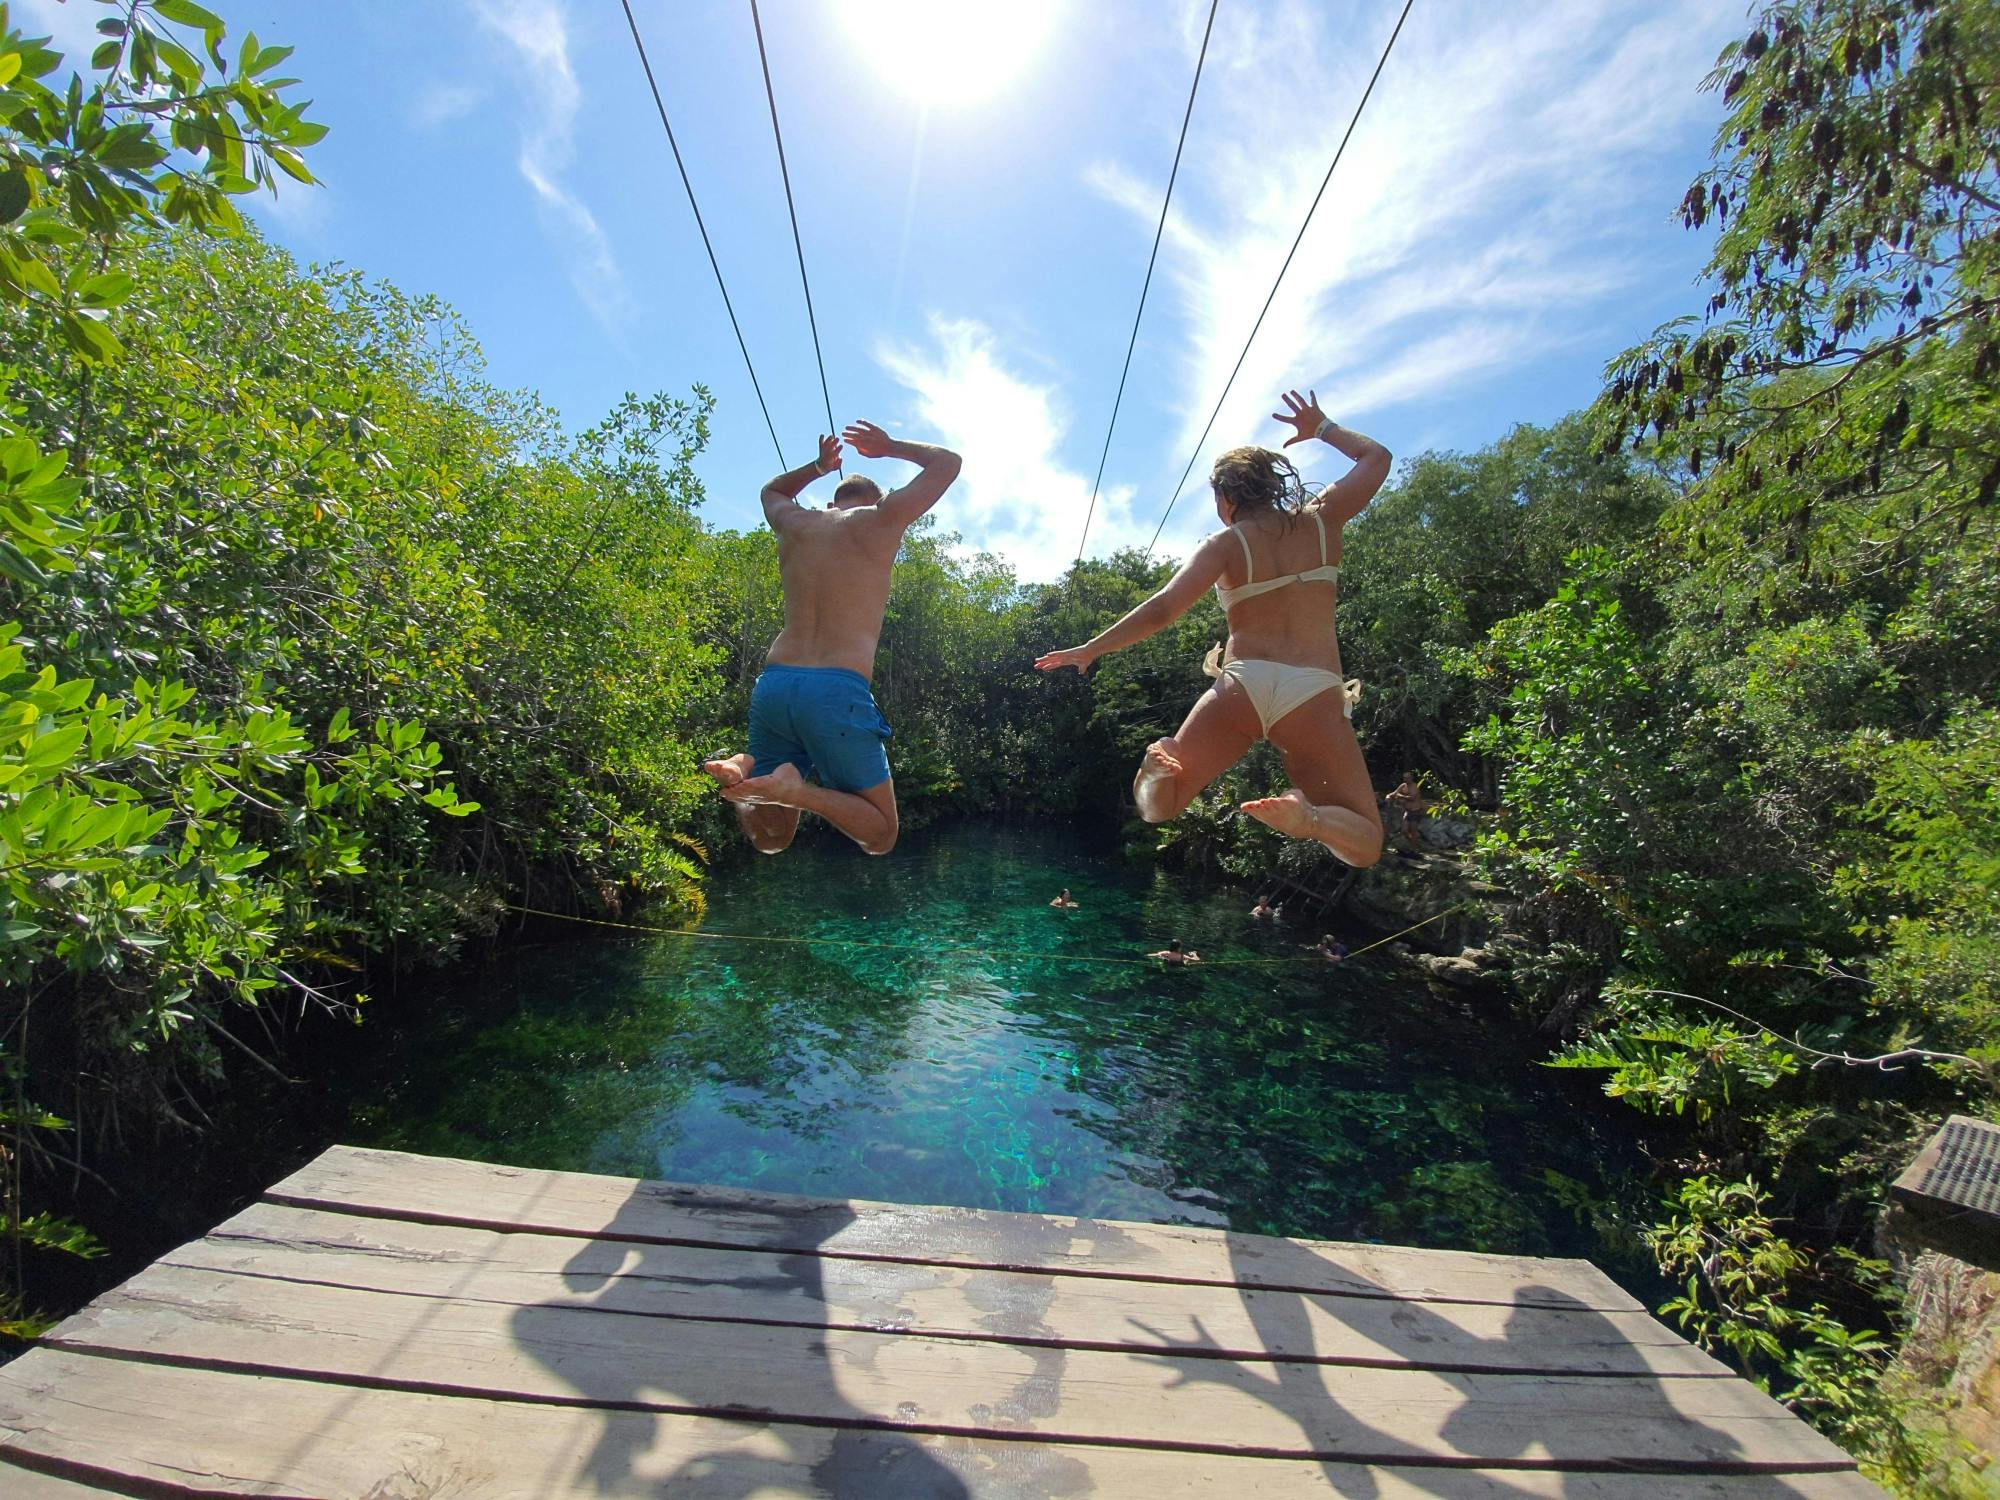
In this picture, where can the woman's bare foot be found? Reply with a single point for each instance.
(728, 770)
(777, 788)
(1352, 838)
(1152, 789)
(1291, 814)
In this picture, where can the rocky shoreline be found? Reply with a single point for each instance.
(1463, 916)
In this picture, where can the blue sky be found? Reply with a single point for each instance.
(977, 198)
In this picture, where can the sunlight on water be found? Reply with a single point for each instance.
(1297, 1098)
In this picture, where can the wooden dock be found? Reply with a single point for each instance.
(392, 1327)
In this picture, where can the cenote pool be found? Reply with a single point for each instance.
(1297, 1098)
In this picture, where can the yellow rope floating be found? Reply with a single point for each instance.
(1061, 958)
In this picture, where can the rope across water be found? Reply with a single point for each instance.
(1061, 958)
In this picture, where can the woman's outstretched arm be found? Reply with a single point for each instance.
(1347, 497)
(1175, 599)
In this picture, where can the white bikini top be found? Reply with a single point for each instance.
(1326, 572)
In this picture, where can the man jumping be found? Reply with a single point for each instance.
(811, 709)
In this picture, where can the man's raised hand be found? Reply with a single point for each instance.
(867, 439)
(1303, 413)
(829, 453)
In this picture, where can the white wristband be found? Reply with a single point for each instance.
(1326, 425)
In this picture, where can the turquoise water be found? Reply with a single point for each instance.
(1296, 1098)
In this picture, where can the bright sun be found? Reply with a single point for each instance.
(945, 52)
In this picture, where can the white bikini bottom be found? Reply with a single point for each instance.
(1276, 688)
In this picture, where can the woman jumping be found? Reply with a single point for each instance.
(1276, 571)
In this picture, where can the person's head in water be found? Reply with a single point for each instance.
(856, 489)
(1174, 946)
(1254, 481)
(1065, 894)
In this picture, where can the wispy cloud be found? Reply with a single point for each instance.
(536, 35)
(1015, 496)
(440, 102)
(71, 29)
(304, 213)
(1485, 208)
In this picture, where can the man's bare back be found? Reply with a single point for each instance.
(835, 565)
(811, 709)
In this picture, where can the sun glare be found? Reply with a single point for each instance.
(946, 52)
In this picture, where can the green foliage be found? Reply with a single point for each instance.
(1925, 876)
(1674, 1066)
(172, 129)
(287, 576)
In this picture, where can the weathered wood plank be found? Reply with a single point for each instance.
(577, 1355)
(17, 1483)
(262, 1435)
(439, 1190)
(1011, 1306)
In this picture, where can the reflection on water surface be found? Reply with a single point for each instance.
(1335, 1102)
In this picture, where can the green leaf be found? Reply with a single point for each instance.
(40, 278)
(45, 226)
(17, 931)
(107, 290)
(289, 160)
(130, 146)
(91, 338)
(18, 566)
(186, 67)
(55, 747)
(10, 68)
(106, 54)
(187, 13)
(13, 194)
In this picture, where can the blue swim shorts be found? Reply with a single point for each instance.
(818, 718)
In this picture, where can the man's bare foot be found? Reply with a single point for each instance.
(776, 788)
(1291, 814)
(728, 770)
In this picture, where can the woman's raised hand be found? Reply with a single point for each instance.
(1070, 656)
(1303, 413)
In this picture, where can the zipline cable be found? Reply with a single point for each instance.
(1060, 958)
(660, 104)
(1147, 285)
(797, 243)
(1354, 121)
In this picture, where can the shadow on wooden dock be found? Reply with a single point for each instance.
(400, 1328)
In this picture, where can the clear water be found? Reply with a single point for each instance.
(1295, 1098)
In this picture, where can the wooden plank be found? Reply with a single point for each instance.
(952, 1301)
(262, 1435)
(17, 1483)
(582, 1356)
(428, 1189)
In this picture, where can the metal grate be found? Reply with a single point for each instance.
(1964, 1170)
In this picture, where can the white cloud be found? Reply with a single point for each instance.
(439, 102)
(1014, 496)
(536, 33)
(1482, 211)
(72, 30)
(302, 212)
